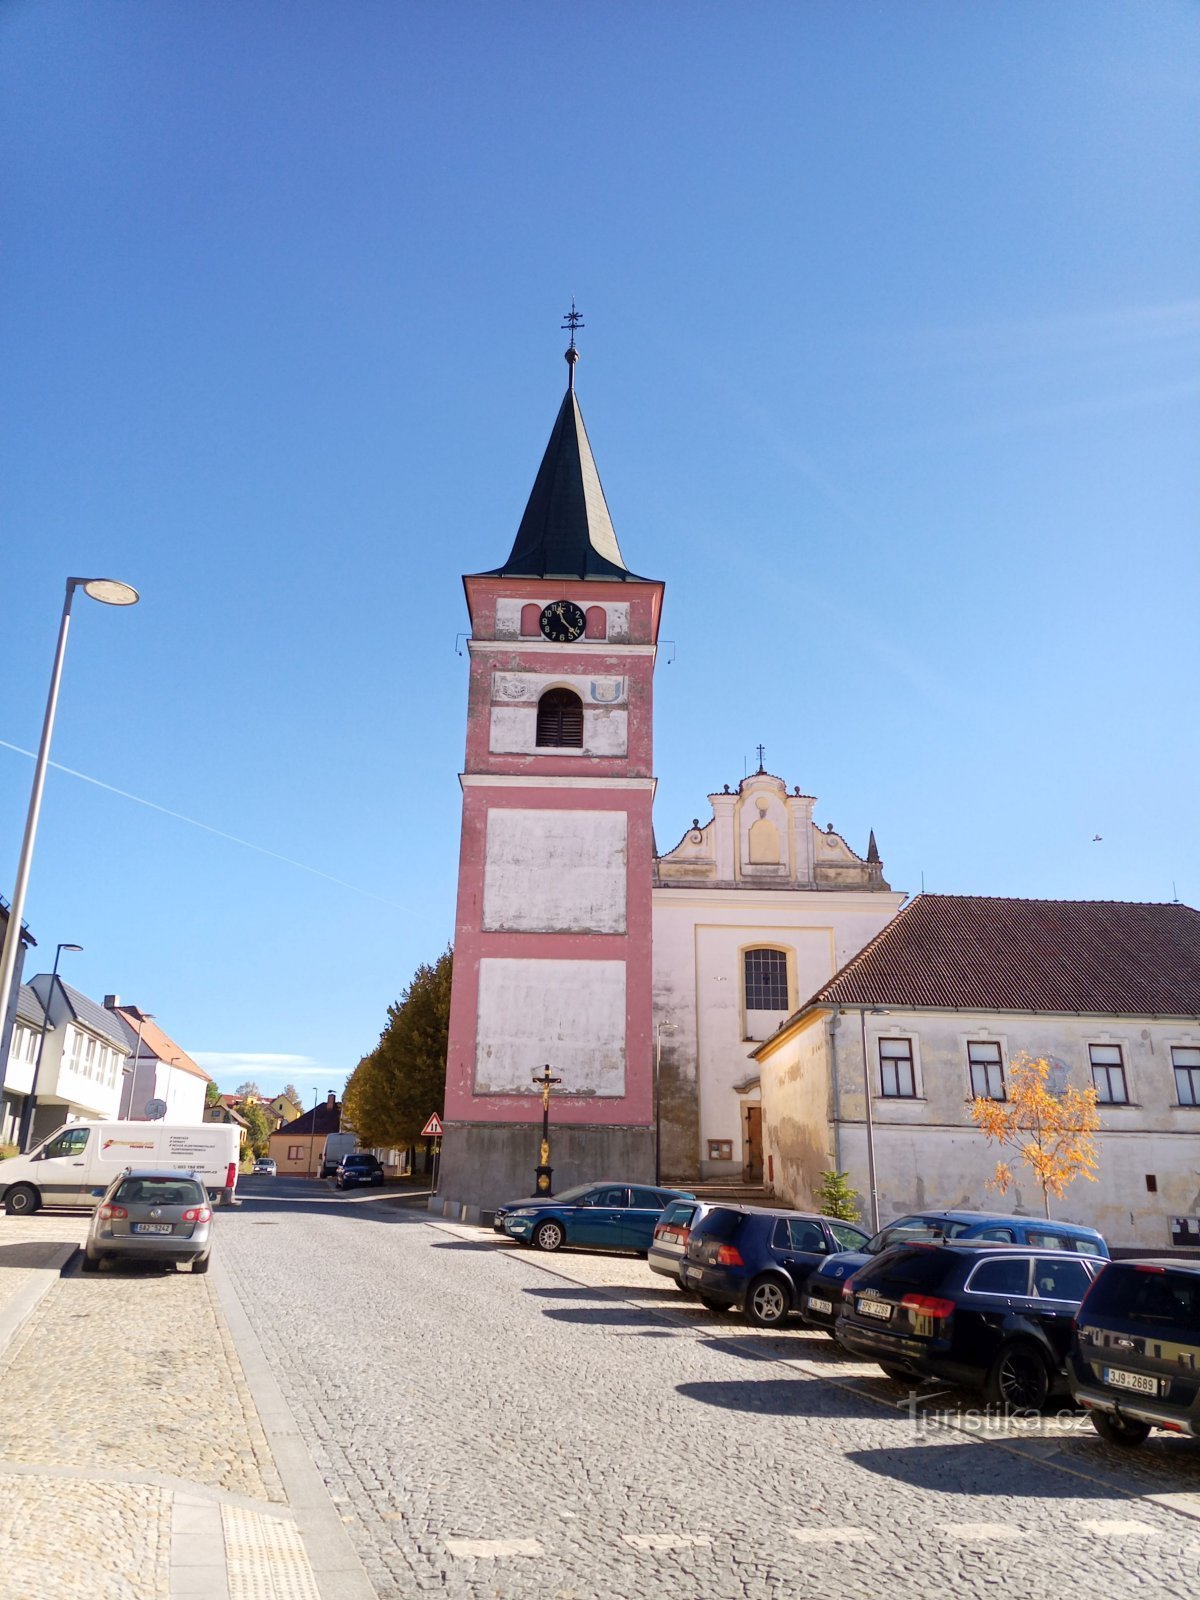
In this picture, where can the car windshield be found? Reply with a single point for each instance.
(915, 1230)
(1149, 1294)
(719, 1224)
(159, 1192)
(566, 1196)
(908, 1269)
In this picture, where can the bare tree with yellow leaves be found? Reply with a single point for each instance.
(1051, 1133)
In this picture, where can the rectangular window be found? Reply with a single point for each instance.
(987, 1070)
(295, 1152)
(1108, 1074)
(896, 1076)
(766, 980)
(1186, 1061)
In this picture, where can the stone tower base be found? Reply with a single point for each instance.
(486, 1163)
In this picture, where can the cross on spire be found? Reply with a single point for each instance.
(572, 321)
(761, 753)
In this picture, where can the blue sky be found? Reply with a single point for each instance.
(890, 368)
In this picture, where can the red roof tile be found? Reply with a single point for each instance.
(978, 953)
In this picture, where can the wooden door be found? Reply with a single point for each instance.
(752, 1163)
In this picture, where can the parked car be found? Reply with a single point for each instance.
(822, 1297)
(1135, 1359)
(668, 1247)
(604, 1216)
(151, 1216)
(982, 1316)
(360, 1166)
(264, 1167)
(760, 1260)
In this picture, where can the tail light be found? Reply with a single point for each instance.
(197, 1214)
(107, 1213)
(848, 1289)
(728, 1255)
(231, 1175)
(683, 1235)
(928, 1305)
(660, 1230)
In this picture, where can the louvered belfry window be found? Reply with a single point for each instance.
(560, 719)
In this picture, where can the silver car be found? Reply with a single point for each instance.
(151, 1216)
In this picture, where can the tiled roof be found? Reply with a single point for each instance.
(157, 1043)
(88, 1012)
(321, 1120)
(978, 953)
(29, 1007)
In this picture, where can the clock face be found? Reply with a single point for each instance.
(563, 621)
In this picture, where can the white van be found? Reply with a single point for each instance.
(335, 1147)
(76, 1164)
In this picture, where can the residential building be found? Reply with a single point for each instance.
(83, 1060)
(161, 1072)
(296, 1146)
(12, 1100)
(886, 1058)
(22, 1059)
(219, 1112)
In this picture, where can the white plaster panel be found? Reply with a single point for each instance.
(527, 688)
(569, 1013)
(618, 621)
(513, 731)
(508, 618)
(555, 871)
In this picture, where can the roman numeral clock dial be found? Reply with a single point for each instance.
(562, 622)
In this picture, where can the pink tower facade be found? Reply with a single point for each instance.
(552, 949)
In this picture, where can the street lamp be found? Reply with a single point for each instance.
(660, 1027)
(876, 1011)
(312, 1137)
(544, 1170)
(30, 1105)
(109, 592)
(143, 1018)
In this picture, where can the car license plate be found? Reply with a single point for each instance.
(693, 1273)
(1130, 1380)
(822, 1307)
(874, 1308)
(153, 1227)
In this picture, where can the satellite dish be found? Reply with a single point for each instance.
(156, 1110)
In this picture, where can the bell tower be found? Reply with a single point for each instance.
(552, 951)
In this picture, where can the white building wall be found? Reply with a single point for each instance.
(928, 1152)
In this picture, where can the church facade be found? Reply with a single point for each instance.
(642, 981)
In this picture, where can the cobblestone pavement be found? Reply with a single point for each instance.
(496, 1423)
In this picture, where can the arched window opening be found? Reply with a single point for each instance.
(597, 623)
(766, 980)
(531, 620)
(560, 719)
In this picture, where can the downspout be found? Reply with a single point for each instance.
(835, 1022)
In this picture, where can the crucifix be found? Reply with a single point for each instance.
(545, 1081)
(761, 753)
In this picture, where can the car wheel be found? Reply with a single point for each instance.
(200, 1263)
(767, 1303)
(22, 1200)
(709, 1304)
(548, 1235)
(1124, 1431)
(89, 1263)
(1019, 1378)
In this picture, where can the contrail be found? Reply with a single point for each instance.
(207, 827)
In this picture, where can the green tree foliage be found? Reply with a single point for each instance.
(836, 1198)
(258, 1130)
(392, 1091)
(212, 1093)
(249, 1090)
(293, 1094)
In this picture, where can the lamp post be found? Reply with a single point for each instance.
(110, 593)
(544, 1170)
(663, 1025)
(143, 1018)
(876, 1011)
(312, 1138)
(30, 1105)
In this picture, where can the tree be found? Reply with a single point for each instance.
(249, 1090)
(1052, 1134)
(258, 1130)
(293, 1094)
(835, 1197)
(212, 1093)
(392, 1091)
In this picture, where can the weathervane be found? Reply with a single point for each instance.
(572, 321)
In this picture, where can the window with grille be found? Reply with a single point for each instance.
(987, 1070)
(1108, 1074)
(1186, 1061)
(560, 719)
(766, 980)
(897, 1079)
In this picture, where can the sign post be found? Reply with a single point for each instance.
(433, 1130)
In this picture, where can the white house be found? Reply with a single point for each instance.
(83, 1062)
(753, 910)
(161, 1071)
(932, 1013)
(22, 1054)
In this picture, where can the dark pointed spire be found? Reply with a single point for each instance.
(872, 848)
(566, 531)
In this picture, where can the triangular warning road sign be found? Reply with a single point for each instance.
(433, 1128)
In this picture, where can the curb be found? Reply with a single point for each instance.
(25, 1302)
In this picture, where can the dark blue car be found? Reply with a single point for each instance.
(821, 1305)
(760, 1260)
(604, 1216)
